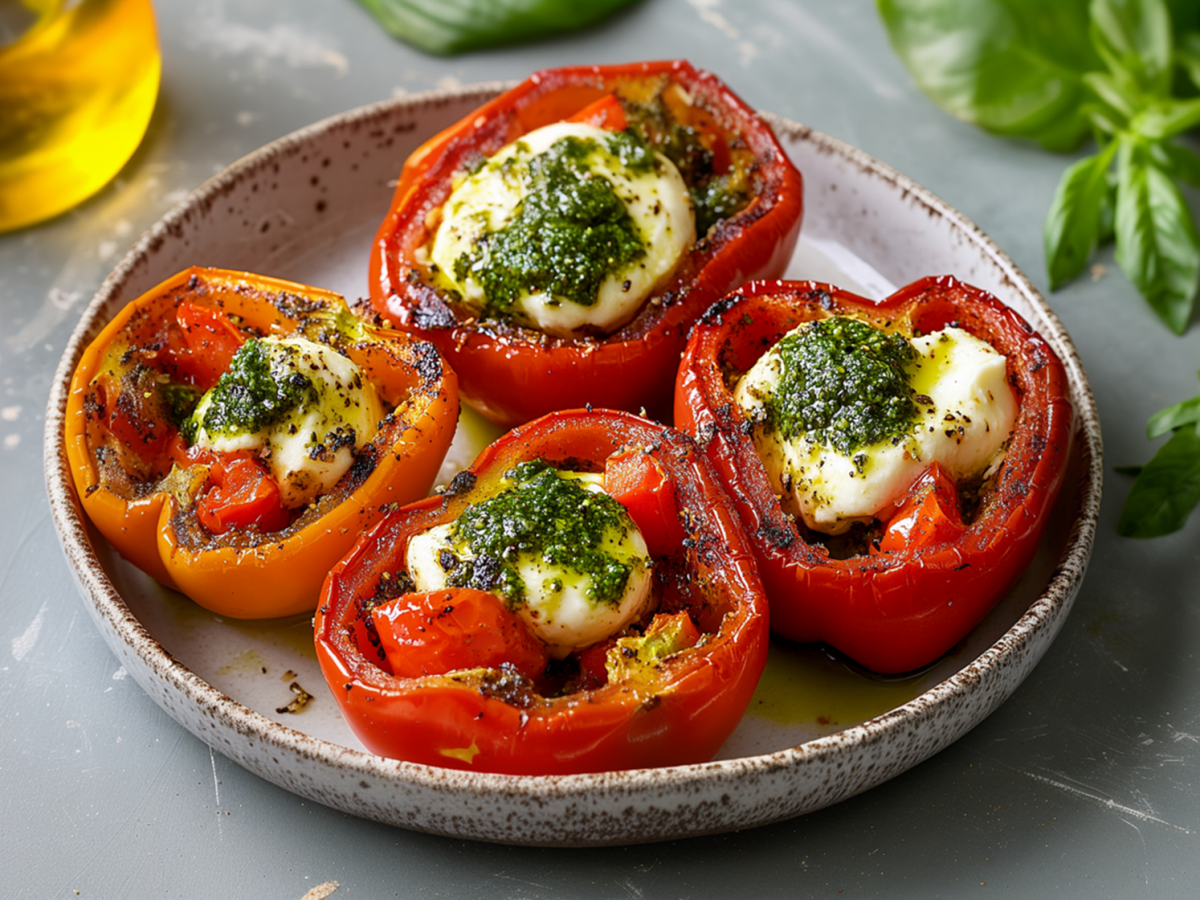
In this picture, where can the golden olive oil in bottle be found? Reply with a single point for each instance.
(78, 82)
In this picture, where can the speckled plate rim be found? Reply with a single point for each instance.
(603, 808)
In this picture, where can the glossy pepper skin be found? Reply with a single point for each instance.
(146, 507)
(901, 607)
(512, 374)
(678, 711)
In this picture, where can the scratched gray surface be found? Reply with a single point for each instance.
(1083, 785)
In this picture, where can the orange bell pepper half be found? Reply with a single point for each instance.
(208, 524)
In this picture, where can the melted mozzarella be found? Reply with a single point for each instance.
(658, 202)
(964, 427)
(309, 451)
(556, 608)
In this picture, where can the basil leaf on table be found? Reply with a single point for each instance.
(1158, 247)
(446, 27)
(1075, 221)
(1053, 71)
(1166, 490)
(1133, 37)
(1012, 67)
(1177, 416)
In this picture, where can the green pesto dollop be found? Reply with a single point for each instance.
(258, 390)
(545, 514)
(843, 384)
(633, 151)
(180, 400)
(715, 200)
(570, 232)
(714, 196)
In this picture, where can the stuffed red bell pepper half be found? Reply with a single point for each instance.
(893, 463)
(557, 243)
(581, 599)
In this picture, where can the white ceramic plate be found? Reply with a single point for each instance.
(305, 208)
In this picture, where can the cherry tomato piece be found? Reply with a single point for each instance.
(606, 112)
(211, 341)
(638, 481)
(242, 494)
(929, 515)
(437, 632)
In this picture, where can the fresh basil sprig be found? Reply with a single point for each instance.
(1167, 488)
(1124, 70)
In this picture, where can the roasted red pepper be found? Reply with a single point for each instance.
(512, 374)
(671, 691)
(212, 524)
(932, 576)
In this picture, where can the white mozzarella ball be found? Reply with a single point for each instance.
(486, 201)
(310, 450)
(557, 606)
(965, 424)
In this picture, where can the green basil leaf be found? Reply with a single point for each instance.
(1114, 96)
(1106, 122)
(1105, 230)
(1164, 421)
(1167, 118)
(1066, 135)
(1134, 38)
(1166, 490)
(1181, 162)
(1177, 416)
(1187, 54)
(446, 27)
(1012, 67)
(1157, 244)
(1072, 228)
